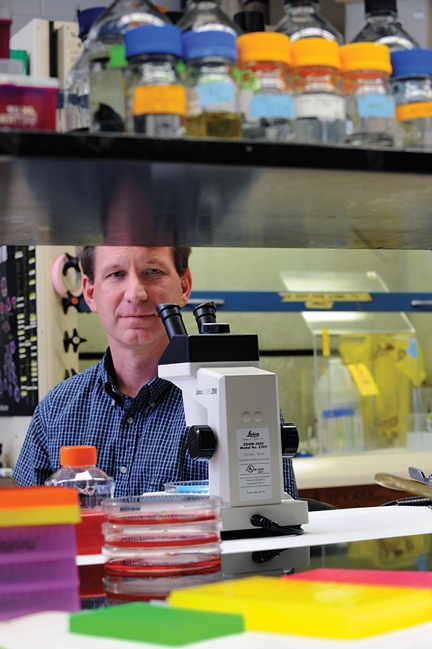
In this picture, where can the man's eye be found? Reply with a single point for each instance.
(117, 273)
(153, 271)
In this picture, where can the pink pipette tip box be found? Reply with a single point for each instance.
(398, 578)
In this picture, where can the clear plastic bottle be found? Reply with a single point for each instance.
(155, 94)
(337, 406)
(319, 103)
(79, 470)
(382, 26)
(201, 15)
(265, 94)
(77, 84)
(370, 105)
(212, 91)
(107, 98)
(303, 20)
(412, 89)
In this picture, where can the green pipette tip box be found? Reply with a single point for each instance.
(159, 624)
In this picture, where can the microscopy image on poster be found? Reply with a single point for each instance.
(18, 331)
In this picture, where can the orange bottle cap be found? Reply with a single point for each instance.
(78, 455)
(264, 46)
(365, 56)
(310, 52)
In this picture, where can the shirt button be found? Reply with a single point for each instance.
(152, 404)
(129, 420)
(113, 402)
(123, 469)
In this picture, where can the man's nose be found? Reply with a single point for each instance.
(135, 288)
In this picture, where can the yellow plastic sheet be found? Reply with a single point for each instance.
(396, 363)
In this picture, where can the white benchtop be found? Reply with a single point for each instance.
(351, 470)
(49, 630)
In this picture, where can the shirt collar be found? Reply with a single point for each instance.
(151, 391)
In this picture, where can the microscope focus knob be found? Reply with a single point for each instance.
(201, 442)
(290, 440)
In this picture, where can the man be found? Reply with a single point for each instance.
(135, 419)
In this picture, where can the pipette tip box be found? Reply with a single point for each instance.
(338, 610)
(400, 578)
(154, 623)
(37, 551)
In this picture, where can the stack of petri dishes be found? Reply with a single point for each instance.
(157, 542)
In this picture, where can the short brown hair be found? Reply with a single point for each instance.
(86, 256)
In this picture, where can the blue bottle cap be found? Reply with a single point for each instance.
(415, 61)
(153, 39)
(212, 42)
(87, 17)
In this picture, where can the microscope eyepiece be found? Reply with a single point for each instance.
(205, 316)
(171, 316)
(205, 313)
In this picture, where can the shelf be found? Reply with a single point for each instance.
(71, 189)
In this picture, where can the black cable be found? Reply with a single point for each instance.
(411, 501)
(266, 523)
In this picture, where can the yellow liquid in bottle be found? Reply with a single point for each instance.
(226, 125)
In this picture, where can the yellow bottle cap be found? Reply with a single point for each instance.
(365, 56)
(264, 46)
(308, 52)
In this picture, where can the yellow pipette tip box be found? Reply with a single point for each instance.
(319, 609)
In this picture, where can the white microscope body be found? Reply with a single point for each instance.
(232, 407)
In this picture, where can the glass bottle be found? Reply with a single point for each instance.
(382, 26)
(370, 105)
(77, 84)
(265, 95)
(412, 89)
(250, 21)
(155, 94)
(107, 91)
(212, 92)
(5, 25)
(201, 15)
(303, 20)
(318, 100)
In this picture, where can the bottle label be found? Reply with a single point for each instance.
(321, 105)
(414, 110)
(159, 100)
(363, 379)
(217, 96)
(281, 106)
(375, 105)
(253, 449)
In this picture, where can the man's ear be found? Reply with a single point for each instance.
(186, 286)
(88, 290)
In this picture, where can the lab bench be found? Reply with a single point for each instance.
(374, 538)
(349, 480)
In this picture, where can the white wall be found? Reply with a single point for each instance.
(66, 10)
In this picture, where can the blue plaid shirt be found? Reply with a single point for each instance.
(140, 441)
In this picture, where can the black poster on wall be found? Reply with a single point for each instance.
(18, 331)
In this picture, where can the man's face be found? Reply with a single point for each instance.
(129, 282)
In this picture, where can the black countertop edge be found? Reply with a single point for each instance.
(44, 144)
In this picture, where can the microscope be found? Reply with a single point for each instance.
(232, 411)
